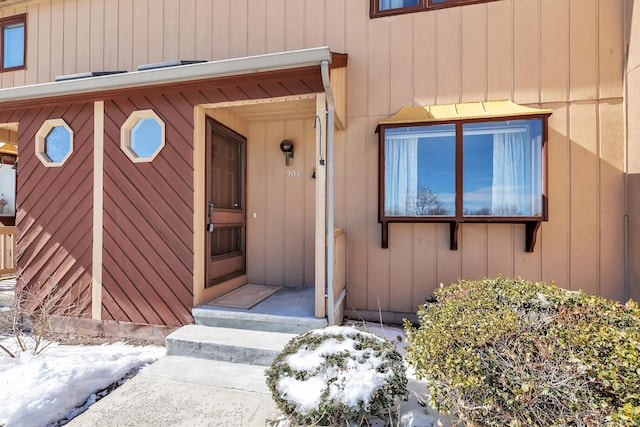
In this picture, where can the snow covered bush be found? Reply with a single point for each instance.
(507, 352)
(335, 376)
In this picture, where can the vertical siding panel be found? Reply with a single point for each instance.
(526, 51)
(56, 42)
(335, 25)
(275, 178)
(500, 250)
(256, 204)
(527, 265)
(400, 267)
(314, 23)
(473, 250)
(339, 179)
(448, 55)
(171, 30)
(70, 37)
(155, 22)
(449, 263)
(424, 60)
(83, 37)
(611, 48)
(424, 263)
(96, 59)
(474, 52)
(221, 29)
(583, 45)
(584, 197)
(275, 26)
(257, 27)
(612, 203)
(357, 242)
(554, 60)
(500, 50)
(33, 57)
(378, 258)
(294, 210)
(555, 235)
(110, 38)
(379, 81)
(125, 35)
(44, 42)
(356, 39)
(238, 13)
(140, 34)
(401, 62)
(310, 199)
(294, 31)
(203, 29)
(187, 29)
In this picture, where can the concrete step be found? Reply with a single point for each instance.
(212, 316)
(227, 344)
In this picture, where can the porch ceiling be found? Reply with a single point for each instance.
(290, 108)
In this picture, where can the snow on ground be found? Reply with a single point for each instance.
(45, 388)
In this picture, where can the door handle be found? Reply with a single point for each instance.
(209, 222)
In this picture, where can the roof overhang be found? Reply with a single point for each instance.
(185, 74)
(464, 111)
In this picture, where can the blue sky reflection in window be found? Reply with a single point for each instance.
(57, 144)
(13, 45)
(501, 169)
(396, 4)
(146, 137)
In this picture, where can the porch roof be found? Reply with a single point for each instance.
(183, 75)
(465, 111)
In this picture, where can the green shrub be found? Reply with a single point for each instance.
(335, 376)
(507, 352)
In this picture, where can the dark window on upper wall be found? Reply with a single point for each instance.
(380, 8)
(13, 42)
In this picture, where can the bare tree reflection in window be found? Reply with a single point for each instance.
(428, 203)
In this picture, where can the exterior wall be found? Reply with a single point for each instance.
(633, 146)
(565, 55)
(55, 205)
(281, 237)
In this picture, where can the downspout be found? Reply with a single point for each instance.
(324, 66)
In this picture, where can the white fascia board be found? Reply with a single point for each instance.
(205, 70)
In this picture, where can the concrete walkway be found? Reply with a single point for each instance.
(185, 391)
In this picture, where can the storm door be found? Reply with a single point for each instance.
(225, 228)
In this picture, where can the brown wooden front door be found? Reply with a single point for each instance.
(225, 228)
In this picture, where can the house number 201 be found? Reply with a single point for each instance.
(293, 173)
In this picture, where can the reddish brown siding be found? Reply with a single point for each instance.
(148, 217)
(54, 207)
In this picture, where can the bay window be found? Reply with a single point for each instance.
(461, 164)
(380, 8)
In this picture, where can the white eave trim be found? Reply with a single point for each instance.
(205, 70)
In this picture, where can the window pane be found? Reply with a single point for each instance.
(420, 171)
(502, 168)
(146, 137)
(13, 47)
(397, 4)
(57, 144)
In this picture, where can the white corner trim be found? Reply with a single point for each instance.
(98, 205)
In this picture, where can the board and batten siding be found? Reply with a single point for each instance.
(565, 55)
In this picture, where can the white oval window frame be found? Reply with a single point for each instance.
(41, 142)
(125, 135)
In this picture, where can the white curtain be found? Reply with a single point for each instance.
(391, 4)
(512, 189)
(401, 176)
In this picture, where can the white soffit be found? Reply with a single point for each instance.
(185, 73)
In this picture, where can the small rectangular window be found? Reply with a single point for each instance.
(380, 8)
(13, 33)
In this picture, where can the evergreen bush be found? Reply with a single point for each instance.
(337, 376)
(508, 352)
